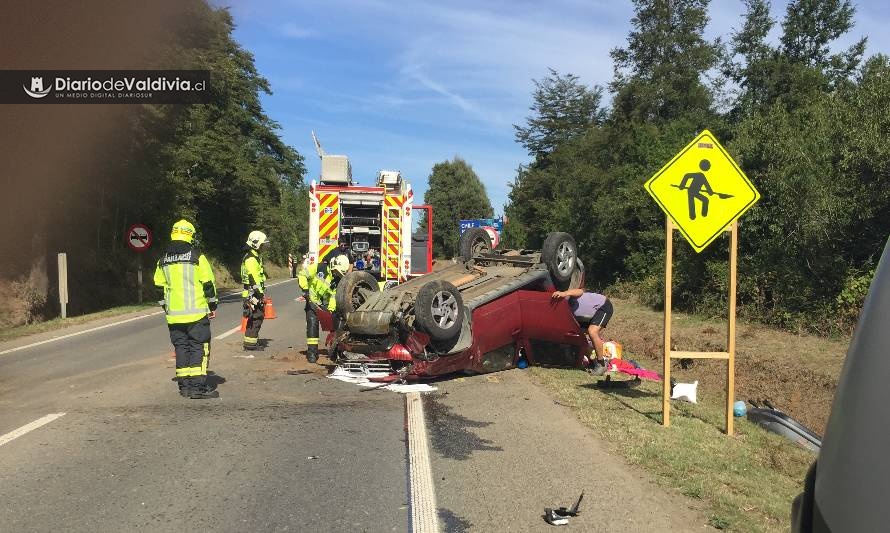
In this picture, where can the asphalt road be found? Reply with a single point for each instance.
(284, 448)
(276, 452)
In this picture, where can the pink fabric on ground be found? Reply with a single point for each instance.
(623, 366)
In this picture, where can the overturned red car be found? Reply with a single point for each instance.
(481, 313)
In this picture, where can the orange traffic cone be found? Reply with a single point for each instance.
(243, 324)
(269, 311)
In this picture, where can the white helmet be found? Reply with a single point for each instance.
(256, 239)
(340, 265)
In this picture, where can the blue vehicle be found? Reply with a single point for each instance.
(493, 226)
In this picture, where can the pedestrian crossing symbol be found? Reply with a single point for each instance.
(703, 190)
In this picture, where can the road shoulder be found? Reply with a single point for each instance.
(503, 450)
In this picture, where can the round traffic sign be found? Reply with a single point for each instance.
(139, 237)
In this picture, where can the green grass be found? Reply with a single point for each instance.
(746, 481)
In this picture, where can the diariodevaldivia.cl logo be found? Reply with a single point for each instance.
(37, 90)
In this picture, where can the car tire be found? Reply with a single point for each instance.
(577, 279)
(439, 310)
(354, 289)
(473, 241)
(560, 254)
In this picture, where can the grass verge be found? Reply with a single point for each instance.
(746, 481)
(59, 323)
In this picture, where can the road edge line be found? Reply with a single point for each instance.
(97, 328)
(76, 333)
(222, 336)
(422, 498)
(27, 428)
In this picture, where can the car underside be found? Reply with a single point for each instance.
(470, 315)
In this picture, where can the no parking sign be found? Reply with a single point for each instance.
(139, 237)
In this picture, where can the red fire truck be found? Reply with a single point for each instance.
(375, 220)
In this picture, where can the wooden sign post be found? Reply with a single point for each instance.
(728, 355)
(703, 192)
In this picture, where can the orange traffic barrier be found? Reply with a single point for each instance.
(243, 324)
(269, 311)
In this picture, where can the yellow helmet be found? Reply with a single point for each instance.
(256, 239)
(183, 231)
(340, 265)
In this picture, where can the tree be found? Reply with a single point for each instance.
(809, 28)
(562, 109)
(455, 192)
(658, 75)
(230, 170)
(220, 164)
(753, 71)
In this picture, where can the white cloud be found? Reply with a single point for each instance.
(292, 31)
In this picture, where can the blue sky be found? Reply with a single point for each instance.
(402, 85)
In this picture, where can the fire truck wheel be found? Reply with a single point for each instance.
(354, 290)
(560, 254)
(439, 310)
(473, 241)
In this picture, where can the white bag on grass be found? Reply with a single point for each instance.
(685, 391)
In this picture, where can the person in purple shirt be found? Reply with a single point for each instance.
(593, 311)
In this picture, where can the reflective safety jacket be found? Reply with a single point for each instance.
(319, 284)
(187, 279)
(253, 275)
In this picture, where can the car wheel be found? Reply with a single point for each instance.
(560, 254)
(577, 279)
(354, 289)
(474, 241)
(439, 310)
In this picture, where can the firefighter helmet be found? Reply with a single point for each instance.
(183, 230)
(256, 239)
(340, 265)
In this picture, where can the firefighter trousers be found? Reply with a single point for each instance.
(254, 323)
(191, 341)
(311, 327)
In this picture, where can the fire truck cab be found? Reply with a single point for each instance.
(376, 221)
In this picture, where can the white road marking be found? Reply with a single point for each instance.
(54, 339)
(226, 334)
(424, 511)
(118, 323)
(222, 336)
(27, 428)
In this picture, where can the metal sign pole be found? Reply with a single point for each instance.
(139, 276)
(63, 283)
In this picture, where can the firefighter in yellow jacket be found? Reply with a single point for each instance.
(189, 302)
(253, 279)
(319, 284)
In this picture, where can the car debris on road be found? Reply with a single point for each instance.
(560, 516)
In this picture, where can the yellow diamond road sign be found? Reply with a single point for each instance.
(703, 190)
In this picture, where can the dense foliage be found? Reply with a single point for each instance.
(221, 165)
(804, 120)
(455, 192)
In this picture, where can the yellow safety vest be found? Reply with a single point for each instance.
(189, 287)
(253, 275)
(319, 286)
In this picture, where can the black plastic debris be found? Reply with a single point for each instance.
(560, 516)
